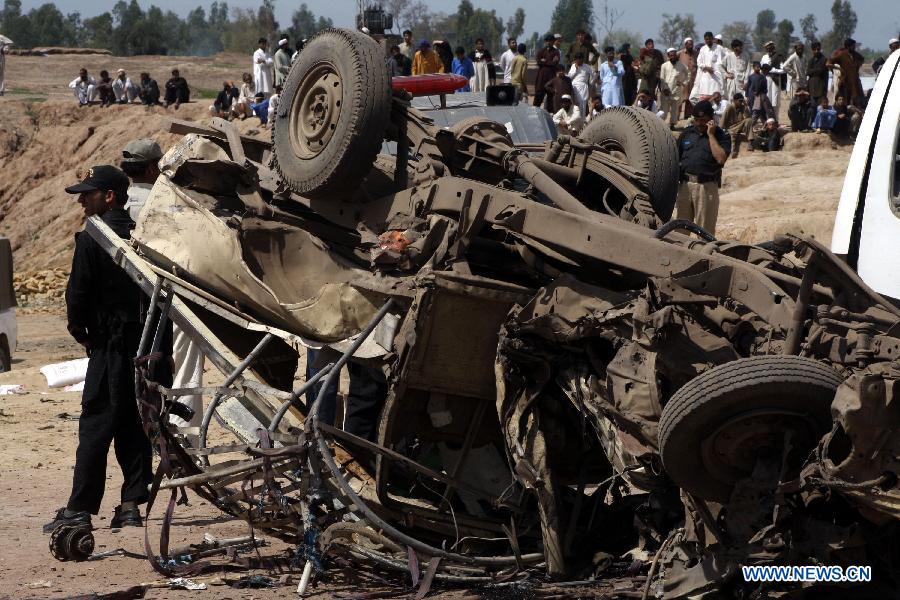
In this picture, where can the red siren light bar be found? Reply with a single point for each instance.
(429, 85)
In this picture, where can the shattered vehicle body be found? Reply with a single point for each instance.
(578, 388)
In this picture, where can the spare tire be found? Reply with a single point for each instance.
(647, 145)
(715, 426)
(331, 123)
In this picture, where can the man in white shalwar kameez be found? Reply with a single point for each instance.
(673, 75)
(506, 59)
(85, 87)
(262, 68)
(568, 119)
(773, 59)
(736, 69)
(123, 88)
(795, 67)
(582, 76)
(709, 74)
(4, 48)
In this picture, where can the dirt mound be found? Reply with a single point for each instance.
(42, 148)
(796, 190)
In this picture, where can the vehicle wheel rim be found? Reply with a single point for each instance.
(316, 110)
(731, 451)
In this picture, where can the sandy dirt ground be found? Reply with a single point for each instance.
(45, 139)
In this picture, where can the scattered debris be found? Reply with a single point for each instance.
(11, 388)
(69, 373)
(572, 390)
(182, 583)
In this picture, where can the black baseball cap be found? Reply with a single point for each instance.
(703, 109)
(102, 177)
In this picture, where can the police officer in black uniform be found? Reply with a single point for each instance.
(703, 149)
(103, 311)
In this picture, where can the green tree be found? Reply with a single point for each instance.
(47, 24)
(843, 19)
(242, 32)
(783, 36)
(97, 31)
(738, 30)
(765, 28)
(571, 15)
(674, 29)
(303, 23)
(473, 23)
(809, 29)
(265, 19)
(617, 37)
(15, 24)
(515, 25)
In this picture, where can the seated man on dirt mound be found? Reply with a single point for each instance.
(85, 87)
(148, 90)
(177, 90)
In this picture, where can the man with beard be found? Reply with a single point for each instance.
(103, 314)
(709, 74)
(283, 59)
(795, 67)
(673, 76)
(688, 57)
(650, 61)
(893, 45)
(850, 62)
(547, 60)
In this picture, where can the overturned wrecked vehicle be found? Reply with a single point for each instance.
(579, 389)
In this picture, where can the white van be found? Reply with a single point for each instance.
(8, 328)
(867, 224)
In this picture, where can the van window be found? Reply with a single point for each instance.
(895, 190)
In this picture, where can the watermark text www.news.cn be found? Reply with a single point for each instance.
(807, 573)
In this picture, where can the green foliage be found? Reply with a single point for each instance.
(674, 29)
(571, 15)
(843, 19)
(473, 23)
(783, 35)
(515, 25)
(738, 30)
(617, 37)
(304, 24)
(809, 29)
(765, 28)
(128, 30)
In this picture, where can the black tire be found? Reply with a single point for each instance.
(341, 84)
(5, 356)
(744, 406)
(648, 146)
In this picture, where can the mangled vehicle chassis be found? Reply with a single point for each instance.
(571, 380)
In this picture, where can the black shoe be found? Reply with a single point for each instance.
(130, 517)
(79, 518)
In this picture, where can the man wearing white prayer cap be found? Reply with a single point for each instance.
(688, 57)
(283, 58)
(568, 119)
(893, 45)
